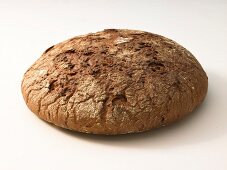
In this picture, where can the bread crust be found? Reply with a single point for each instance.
(114, 82)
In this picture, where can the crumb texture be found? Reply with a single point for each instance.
(114, 82)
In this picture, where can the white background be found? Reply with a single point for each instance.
(198, 142)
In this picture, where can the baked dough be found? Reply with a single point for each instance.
(114, 82)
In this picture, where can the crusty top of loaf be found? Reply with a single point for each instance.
(113, 80)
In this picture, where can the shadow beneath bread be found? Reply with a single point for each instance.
(207, 122)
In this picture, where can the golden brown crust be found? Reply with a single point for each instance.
(114, 82)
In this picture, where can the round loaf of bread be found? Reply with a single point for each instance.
(114, 82)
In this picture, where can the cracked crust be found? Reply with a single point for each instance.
(114, 82)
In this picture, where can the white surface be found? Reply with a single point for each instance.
(198, 142)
